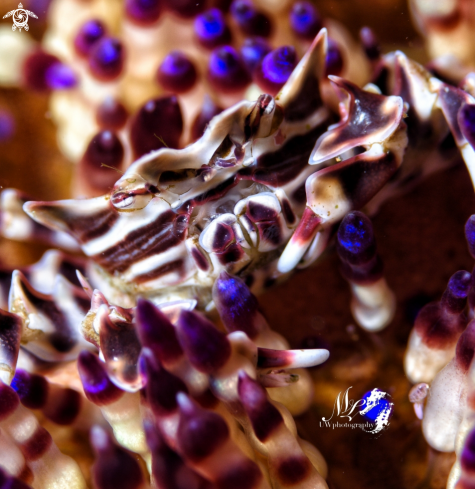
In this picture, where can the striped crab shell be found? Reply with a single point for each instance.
(233, 200)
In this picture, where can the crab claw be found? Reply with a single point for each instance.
(370, 121)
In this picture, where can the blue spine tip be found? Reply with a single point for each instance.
(89, 34)
(226, 70)
(466, 119)
(7, 125)
(305, 20)
(459, 284)
(253, 51)
(236, 305)
(278, 65)
(107, 58)
(177, 73)
(60, 77)
(355, 235)
(211, 29)
(470, 234)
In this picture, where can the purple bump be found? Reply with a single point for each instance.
(208, 110)
(466, 120)
(114, 467)
(106, 59)
(157, 124)
(7, 125)
(264, 416)
(162, 386)
(253, 51)
(459, 284)
(226, 70)
(207, 348)
(355, 239)
(275, 69)
(177, 73)
(97, 385)
(333, 59)
(200, 432)
(470, 234)
(251, 21)
(305, 20)
(9, 401)
(104, 153)
(143, 12)
(211, 29)
(237, 306)
(9, 482)
(187, 9)
(370, 44)
(111, 114)
(32, 389)
(157, 332)
(89, 34)
(35, 68)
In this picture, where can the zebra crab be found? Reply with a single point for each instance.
(258, 195)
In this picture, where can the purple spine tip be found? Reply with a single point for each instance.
(207, 348)
(264, 416)
(211, 29)
(253, 51)
(9, 401)
(7, 125)
(200, 432)
(470, 234)
(60, 77)
(89, 34)
(468, 453)
(466, 119)
(111, 114)
(104, 149)
(143, 12)
(177, 73)
(305, 20)
(276, 68)
(157, 122)
(32, 389)
(98, 387)
(208, 110)
(162, 386)
(370, 43)
(236, 304)
(114, 468)
(106, 59)
(226, 70)
(157, 332)
(35, 67)
(251, 21)
(334, 59)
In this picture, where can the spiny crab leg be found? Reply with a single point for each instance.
(371, 121)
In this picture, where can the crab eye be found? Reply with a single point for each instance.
(122, 200)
